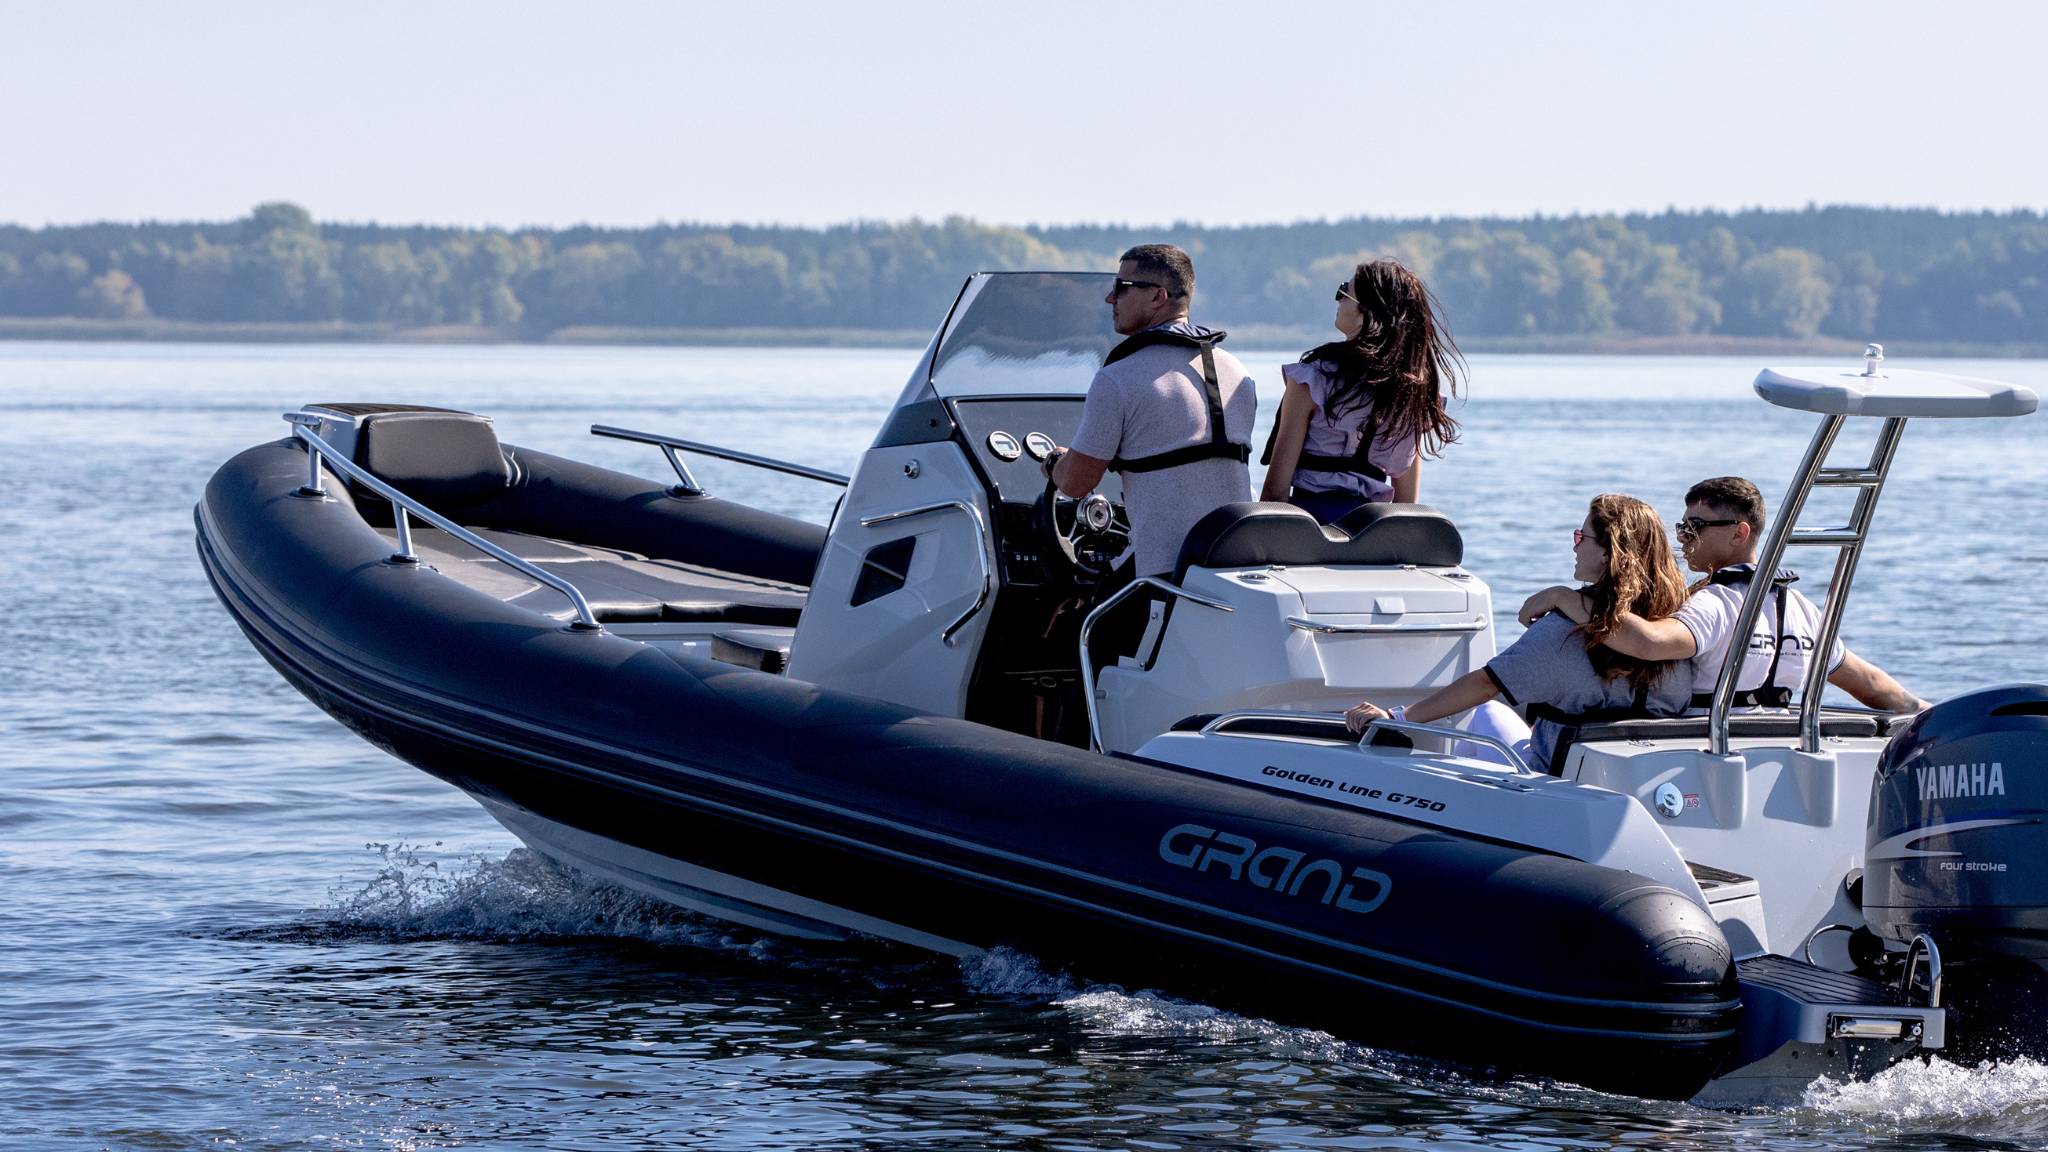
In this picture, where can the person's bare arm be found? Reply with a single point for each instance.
(1466, 692)
(1293, 432)
(1077, 473)
(1561, 598)
(1408, 485)
(1666, 639)
(1872, 686)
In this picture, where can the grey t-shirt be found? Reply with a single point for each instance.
(1153, 401)
(1550, 665)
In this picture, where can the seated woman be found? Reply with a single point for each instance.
(1560, 668)
(1359, 414)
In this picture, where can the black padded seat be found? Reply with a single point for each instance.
(1741, 725)
(1250, 535)
(1761, 726)
(441, 458)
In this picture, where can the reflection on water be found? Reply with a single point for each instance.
(197, 948)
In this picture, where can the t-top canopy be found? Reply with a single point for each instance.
(1893, 392)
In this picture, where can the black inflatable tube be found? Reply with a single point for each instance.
(1480, 952)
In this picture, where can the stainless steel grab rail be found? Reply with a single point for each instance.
(1516, 766)
(1322, 628)
(1088, 626)
(1220, 725)
(1515, 763)
(320, 451)
(669, 445)
(984, 551)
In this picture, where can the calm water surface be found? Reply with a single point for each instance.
(224, 921)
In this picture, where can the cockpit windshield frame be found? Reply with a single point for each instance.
(1020, 334)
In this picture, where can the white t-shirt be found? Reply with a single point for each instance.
(1709, 614)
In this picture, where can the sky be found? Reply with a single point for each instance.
(1261, 111)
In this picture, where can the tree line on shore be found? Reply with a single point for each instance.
(1852, 273)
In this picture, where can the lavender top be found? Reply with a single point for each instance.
(1339, 437)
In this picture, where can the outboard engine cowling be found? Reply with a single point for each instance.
(1958, 843)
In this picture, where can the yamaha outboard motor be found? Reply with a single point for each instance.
(1958, 844)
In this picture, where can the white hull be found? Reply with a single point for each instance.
(702, 890)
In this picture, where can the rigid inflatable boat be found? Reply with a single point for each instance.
(890, 727)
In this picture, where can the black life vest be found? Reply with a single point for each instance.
(1770, 693)
(1637, 709)
(1219, 446)
(1358, 462)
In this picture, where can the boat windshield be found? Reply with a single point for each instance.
(1023, 334)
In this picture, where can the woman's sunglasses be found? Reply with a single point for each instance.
(1344, 293)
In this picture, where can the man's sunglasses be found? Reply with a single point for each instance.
(1690, 527)
(1122, 284)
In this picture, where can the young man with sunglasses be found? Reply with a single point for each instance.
(1170, 412)
(1724, 517)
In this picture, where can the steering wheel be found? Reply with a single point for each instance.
(1088, 534)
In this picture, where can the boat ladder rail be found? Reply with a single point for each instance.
(1837, 396)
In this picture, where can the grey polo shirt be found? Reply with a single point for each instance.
(1153, 401)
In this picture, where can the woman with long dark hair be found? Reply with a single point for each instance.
(1559, 669)
(1359, 414)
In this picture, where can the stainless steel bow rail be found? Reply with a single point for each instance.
(687, 483)
(404, 507)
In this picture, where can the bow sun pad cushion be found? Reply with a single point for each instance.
(432, 544)
(618, 586)
(1252, 535)
(630, 546)
(568, 500)
(452, 462)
